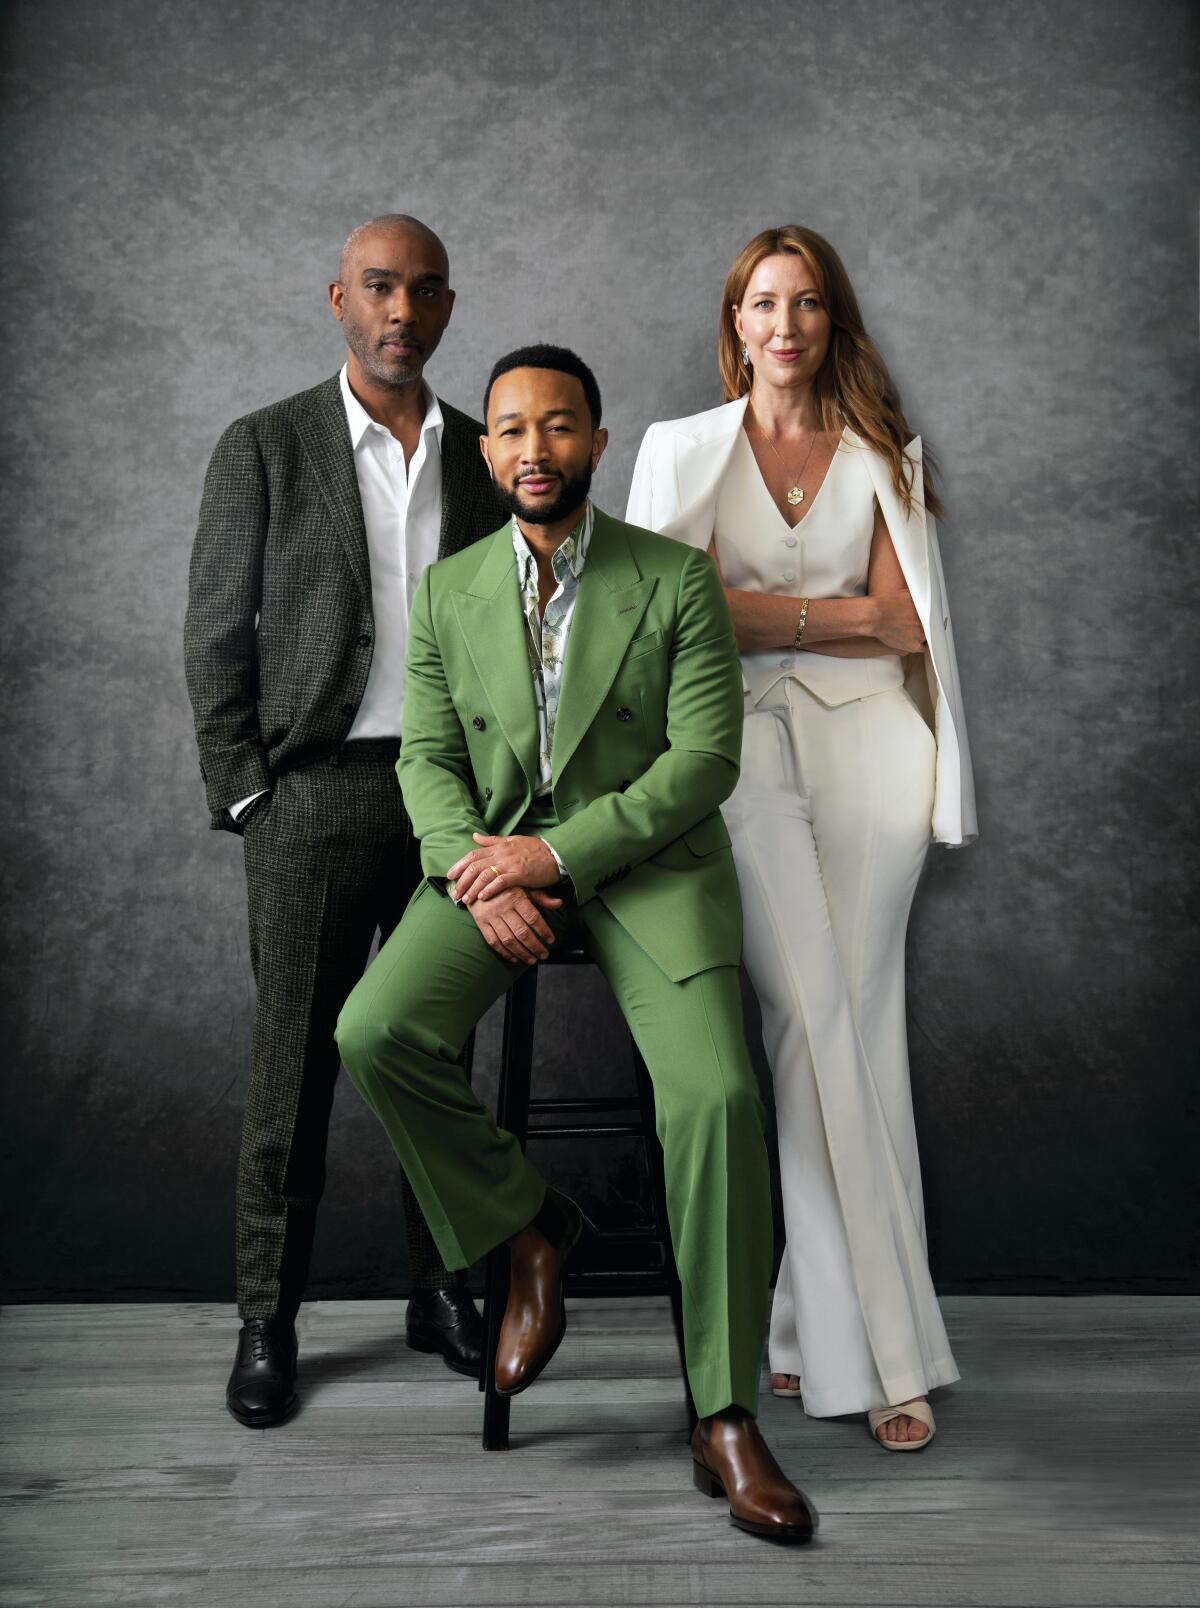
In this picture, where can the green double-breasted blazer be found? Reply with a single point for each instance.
(646, 743)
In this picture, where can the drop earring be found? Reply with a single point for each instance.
(745, 355)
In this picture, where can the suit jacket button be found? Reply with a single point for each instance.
(479, 723)
(624, 714)
(364, 639)
(349, 709)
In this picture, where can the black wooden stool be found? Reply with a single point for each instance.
(514, 1108)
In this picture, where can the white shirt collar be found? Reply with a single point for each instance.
(360, 421)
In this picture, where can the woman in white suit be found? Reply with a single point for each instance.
(810, 494)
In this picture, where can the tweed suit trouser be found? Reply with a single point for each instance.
(330, 858)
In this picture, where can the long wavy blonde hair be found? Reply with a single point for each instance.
(852, 386)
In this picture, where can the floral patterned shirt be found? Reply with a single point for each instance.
(546, 634)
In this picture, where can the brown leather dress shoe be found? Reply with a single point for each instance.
(731, 1459)
(535, 1317)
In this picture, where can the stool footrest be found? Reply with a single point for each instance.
(597, 1103)
(622, 1281)
(570, 1130)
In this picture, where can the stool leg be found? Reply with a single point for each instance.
(512, 1112)
(495, 1408)
(662, 1223)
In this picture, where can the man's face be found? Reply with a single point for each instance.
(393, 301)
(540, 444)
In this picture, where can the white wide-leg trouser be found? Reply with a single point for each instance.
(830, 824)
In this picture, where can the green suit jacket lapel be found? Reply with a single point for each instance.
(493, 627)
(612, 600)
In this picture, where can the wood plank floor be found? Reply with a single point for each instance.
(1064, 1472)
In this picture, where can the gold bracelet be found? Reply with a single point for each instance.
(800, 624)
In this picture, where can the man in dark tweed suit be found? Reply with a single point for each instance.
(318, 517)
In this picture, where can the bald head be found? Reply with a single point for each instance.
(389, 226)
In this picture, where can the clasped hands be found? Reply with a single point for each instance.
(503, 883)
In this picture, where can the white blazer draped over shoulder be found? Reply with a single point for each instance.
(675, 482)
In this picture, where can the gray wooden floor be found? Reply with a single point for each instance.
(1063, 1472)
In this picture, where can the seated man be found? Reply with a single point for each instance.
(572, 722)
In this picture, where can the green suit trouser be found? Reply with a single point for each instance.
(402, 1031)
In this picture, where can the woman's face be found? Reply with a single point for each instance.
(783, 322)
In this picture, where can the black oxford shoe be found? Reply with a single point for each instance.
(262, 1387)
(446, 1321)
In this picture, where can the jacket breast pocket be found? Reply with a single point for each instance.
(708, 835)
(644, 644)
(699, 841)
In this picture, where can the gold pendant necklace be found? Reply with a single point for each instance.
(795, 492)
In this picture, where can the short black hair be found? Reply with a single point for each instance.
(559, 358)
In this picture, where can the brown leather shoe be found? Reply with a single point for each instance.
(731, 1459)
(535, 1317)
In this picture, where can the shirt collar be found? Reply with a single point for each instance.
(571, 554)
(360, 421)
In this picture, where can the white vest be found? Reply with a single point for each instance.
(677, 482)
(826, 555)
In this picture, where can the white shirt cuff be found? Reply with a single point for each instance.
(562, 870)
(244, 803)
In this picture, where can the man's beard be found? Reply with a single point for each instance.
(571, 495)
(370, 355)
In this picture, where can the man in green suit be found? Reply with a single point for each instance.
(572, 722)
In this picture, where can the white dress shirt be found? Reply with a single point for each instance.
(402, 512)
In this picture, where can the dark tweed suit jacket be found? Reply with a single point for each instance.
(279, 630)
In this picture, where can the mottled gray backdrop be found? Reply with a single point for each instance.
(1012, 188)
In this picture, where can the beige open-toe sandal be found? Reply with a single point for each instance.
(788, 1390)
(920, 1410)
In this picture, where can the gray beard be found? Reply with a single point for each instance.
(376, 366)
(387, 373)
